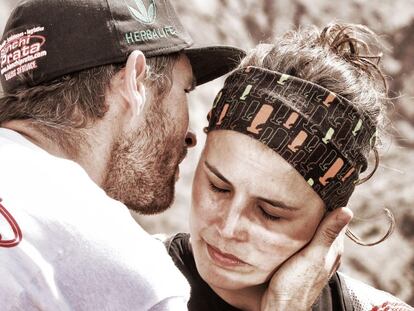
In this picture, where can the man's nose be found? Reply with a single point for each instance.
(190, 139)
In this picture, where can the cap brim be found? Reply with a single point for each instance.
(212, 62)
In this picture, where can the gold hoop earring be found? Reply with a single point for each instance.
(391, 220)
(366, 178)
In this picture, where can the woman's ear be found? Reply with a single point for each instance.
(133, 84)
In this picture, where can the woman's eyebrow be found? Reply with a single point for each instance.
(216, 172)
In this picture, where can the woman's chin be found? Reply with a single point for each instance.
(219, 278)
(224, 281)
(222, 273)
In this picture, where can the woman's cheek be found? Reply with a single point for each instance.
(202, 207)
(207, 210)
(276, 248)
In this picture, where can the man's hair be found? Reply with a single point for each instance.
(60, 109)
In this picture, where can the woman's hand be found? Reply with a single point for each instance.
(299, 281)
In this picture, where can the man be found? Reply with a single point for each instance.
(78, 88)
(95, 98)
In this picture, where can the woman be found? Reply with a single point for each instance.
(288, 136)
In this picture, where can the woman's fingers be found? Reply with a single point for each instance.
(332, 226)
(299, 281)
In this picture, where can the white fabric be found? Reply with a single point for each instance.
(367, 298)
(80, 250)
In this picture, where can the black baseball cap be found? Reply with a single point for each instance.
(45, 39)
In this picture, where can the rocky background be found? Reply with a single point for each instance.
(390, 265)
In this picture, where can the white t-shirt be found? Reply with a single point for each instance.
(79, 249)
(367, 298)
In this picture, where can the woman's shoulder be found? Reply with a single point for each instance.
(179, 248)
(182, 239)
(367, 298)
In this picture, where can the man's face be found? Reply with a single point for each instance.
(144, 163)
(250, 212)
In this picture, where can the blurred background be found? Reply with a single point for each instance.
(390, 265)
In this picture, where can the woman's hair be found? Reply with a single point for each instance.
(343, 58)
(338, 58)
(63, 107)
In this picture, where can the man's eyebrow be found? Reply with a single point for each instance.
(279, 204)
(216, 172)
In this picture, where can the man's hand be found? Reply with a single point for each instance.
(299, 281)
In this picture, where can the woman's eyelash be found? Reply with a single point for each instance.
(217, 189)
(268, 216)
(264, 213)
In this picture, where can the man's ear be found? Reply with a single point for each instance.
(133, 88)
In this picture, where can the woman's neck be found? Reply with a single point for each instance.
(247, 299)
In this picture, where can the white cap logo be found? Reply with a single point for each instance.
(142, 14)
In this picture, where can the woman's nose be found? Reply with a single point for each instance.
(190, 139)
(230, 225)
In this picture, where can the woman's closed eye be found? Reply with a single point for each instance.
(267, 215)
(215, 188)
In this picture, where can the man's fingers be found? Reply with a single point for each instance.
(331, 226)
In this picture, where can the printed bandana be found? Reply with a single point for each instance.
(321, 134)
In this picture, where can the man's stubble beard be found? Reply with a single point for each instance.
(143, 163)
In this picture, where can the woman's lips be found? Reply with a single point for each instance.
(223, 259)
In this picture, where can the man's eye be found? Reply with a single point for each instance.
(217, 189)
(268, 216)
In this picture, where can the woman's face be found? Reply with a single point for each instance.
(250, 211)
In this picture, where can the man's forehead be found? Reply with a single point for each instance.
(185, 70)
(192, 82)
(191, 79)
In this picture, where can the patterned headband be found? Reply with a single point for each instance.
(321, 134)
